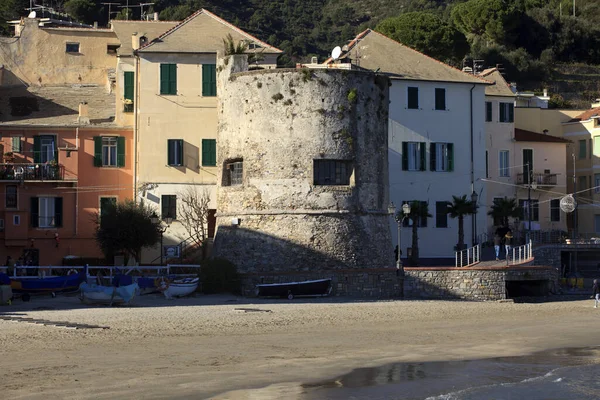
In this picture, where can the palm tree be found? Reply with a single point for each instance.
(460, 207)
(418, 211)
(505, 208)
(232, 48)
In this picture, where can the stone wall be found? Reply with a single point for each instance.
(277, 123)
(547, 255)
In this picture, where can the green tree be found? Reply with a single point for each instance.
(503, 209)
(126, 227)
(427, 33)
(11, 10)
(82, 10)
(418, 211)
(459, 208)
(493, 19)
(232, 48)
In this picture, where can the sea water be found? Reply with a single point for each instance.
(564, 374)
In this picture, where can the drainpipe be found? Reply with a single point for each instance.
(474, 215)
(77, 183)
(136, 106)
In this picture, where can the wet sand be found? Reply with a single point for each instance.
(203, 347)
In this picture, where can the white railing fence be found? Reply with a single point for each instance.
(521, 254)
(467, 257)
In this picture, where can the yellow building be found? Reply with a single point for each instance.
(175, 112)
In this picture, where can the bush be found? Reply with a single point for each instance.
(219, 275)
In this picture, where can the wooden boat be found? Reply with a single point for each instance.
(316, 288)
(52, 285)
(179, 287)
(108, 295)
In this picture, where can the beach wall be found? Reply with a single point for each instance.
(302, 182)
(477, 284)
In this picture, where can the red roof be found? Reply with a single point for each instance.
(521, 135)
(594, 112)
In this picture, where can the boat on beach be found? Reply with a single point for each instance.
(53, 285)
(107, 295)
(314, 288)
(178, 287)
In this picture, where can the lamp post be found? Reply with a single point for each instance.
(474, 202)
(532, 185)
(399, 220)
(157, 221)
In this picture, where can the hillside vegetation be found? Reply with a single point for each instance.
(527, 38)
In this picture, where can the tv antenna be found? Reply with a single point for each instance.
(336, 53)
(109, 7)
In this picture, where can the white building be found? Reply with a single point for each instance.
(436, 139)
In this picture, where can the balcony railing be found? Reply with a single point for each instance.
(539, 178)
(31, 172)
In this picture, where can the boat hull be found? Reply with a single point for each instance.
(181, 288)
(48, 285)
(316, 288)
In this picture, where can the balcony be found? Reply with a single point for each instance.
(31, 172)
(541, 179)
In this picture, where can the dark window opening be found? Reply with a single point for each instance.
(169, 206)
(332, 172)
(234, 173)
(440, 99)
(413, 98)
(72, 48)
(11, 196)
(112, 48)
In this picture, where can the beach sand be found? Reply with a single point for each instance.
(203, 347)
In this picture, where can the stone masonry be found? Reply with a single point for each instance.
(277, 225)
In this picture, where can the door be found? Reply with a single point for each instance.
(597, 223)
(527, 164)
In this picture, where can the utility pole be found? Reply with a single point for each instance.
(109, 8)
(573, 7)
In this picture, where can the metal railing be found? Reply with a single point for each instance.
(468, 257)
(31, 172)
(49, 271)
(541, 179)
(521, 254)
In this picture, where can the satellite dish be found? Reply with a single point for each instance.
(336, 52)
(31, 14)
(568, 203)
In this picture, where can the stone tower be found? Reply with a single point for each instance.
(302, 191)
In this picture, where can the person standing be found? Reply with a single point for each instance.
(497, 246)
(596, 290)
(508, 242)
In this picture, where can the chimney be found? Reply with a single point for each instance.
(545, 131)
(135, 41)
(95, 24)
(545, 92)
(84, 115)
(468, 70)
(513, 87)
(156, 16)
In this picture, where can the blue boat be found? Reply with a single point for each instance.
(49, 285)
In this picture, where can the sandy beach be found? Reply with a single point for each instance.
(203, 347)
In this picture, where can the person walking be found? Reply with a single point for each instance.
(596, 290)
(507, 242)
(497, 240)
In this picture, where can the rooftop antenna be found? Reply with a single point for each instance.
(126, 7)
(109, 7)
(336, 53)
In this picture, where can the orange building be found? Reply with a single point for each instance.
(63, 159)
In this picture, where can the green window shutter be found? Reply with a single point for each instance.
(35, 212)
(128, 78)
(451, 158)
(423, 156)
(440, 99)
(180, 151)
(432, 156)
(58, 209)
(170, 152)
(209, 152)
(164, 206)
(511, 112)
(55, 148)
(168, 78)
(209, 80)
(404, 156)
(172, 78)
(502, 113)
(37, 147)
(121, 151)
(16, 144)
(413, 97)
(97, 151)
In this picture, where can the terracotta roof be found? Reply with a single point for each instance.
(56, 106)
(372, 50)
(150, 29)
(594, 112)
(501, 87)
(201, 32)
(521, 135)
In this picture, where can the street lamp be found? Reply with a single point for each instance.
(399, 220)
(156, 220)
(532, 185)
(474, 219)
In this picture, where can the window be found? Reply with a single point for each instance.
(507, 112)
(128, 88)
(487, 170)
(234, 173)
(441, 157)
(16, 220)
(591, 149)
(332, 172)
(497, 219)
(440, 99)
(72, 48)
(535, 210)
(555, 210)
(1, 225)
(11, 196)
(175, 152)
(422, 221)
(16, 144)
(597, 145)
(209, 152)
(46, 212)
(168, 78)
(109, 151)
(596, 183)
(169, 206)
(44, 149)
(582, 150)
(209, 80)
(413, 97)
(488, 111)
(105, 204)
(413, 156)
(582, 185)
(441, 214)
(112, 48)
(504, 167)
